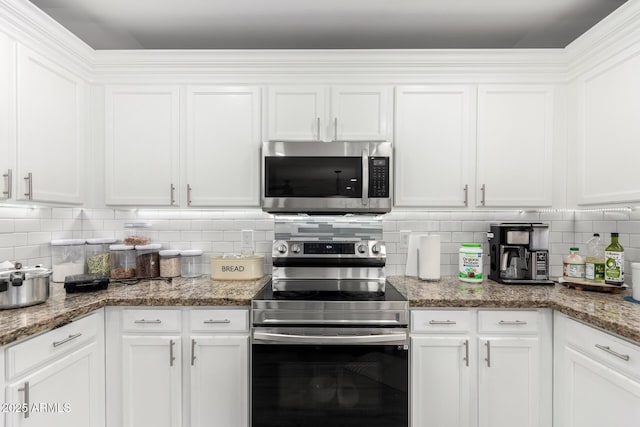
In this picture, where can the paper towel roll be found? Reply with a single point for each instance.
(429, 257)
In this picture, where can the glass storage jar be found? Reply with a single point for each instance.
(123, 262)
(169, 263)
(191, 262)
(98, 256)
(148, 261)
(67, 258)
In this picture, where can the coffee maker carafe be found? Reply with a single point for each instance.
(519, 253)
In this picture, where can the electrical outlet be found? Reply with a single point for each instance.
(246, 237)
(404, 240)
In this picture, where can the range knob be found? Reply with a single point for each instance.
(362, 248)
(295, 248)
(281, 248)
(375, 249)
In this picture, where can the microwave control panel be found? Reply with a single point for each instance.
(378, 177)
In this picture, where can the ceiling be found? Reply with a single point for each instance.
(327, 24)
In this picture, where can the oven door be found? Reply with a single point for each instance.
(318, 377)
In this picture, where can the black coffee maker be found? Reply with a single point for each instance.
(519, 253)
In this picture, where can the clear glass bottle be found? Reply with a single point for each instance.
(614, 262)
(123, 262)
(191, 260)
(594, 266)
(98, 256)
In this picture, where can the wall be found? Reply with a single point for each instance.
(25, 233)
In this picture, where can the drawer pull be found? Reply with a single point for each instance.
(193, 352)
(466, 352)
(442, 322)
(512, 322)
(144, 321)
(25, 389)
(215, 321)
(66, 340)
(624, 357)
(172, 358)
(488, 358)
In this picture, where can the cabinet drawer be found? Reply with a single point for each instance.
(152, 320)
(26, 355)
(508, 321)
(219, 320)
(441, 320)
(611, 350)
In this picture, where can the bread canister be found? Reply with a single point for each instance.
(237, 268)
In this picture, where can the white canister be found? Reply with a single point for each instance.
(470, 263)
(635, 280)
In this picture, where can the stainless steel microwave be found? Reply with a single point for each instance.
(331, 177)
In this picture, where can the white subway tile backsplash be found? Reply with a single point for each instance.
(583, 226)
(37, 238)
(604, 226)
(7, 226)
(451, 226)
(475, 226)
(13, 239)
(561, 226)
(632, 227)
(462, 237)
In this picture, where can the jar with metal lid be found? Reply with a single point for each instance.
(98, 256)
(123, 261)
(67, 258)
(191, 262)
(169, 263)
(148, 261)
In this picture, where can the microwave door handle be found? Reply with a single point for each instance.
(365, 177)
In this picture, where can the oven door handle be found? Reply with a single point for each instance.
(276, 337)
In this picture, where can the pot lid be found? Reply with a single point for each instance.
(29, 272)
(101, 241)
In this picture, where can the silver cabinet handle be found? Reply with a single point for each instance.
(466, 352)
(172, 190)
(210, 321)
(335, 129)
(399, 338)
(624, 357)
(69, 338)
(483, 189)
(512, 322)
(488, 358)
(365, 177)
(442, 322)
(29, 179)
(156, 321)
(193, 352)
(9, 176)
(25, 389)
(171, 356)
(466, 195)
(188, 195)
(318, 128)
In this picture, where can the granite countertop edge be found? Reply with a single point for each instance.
(606, 311)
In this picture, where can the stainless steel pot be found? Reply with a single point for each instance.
(21, 287)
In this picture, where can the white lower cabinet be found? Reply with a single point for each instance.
(503, 380)
(597, 377)
(63, 385)
(177, 367)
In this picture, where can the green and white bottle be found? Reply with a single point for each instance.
(614, 262)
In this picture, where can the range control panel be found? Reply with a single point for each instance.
(301, 249)
(378, 177)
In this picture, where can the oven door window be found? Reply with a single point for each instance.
(313, 177)
(330, 385)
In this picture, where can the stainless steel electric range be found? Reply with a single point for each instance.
(330, 340)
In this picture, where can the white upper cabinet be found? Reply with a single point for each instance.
(7, 124)
(608, 129)
(223, 146)
(142, 132)
(434, 145)
(320, 113)
(514, 145)
(51, 120)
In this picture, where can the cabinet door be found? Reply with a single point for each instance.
(7, 112)
(509, 382)
(441, 387)
(360, 113)
(514, 144)
(223, 146)
(596, 395)
(151, 381)
(297, 113)
(51, 102)
(66, 393)
(142, 145)
(220, 381)
(434, 147)
(608, 129)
